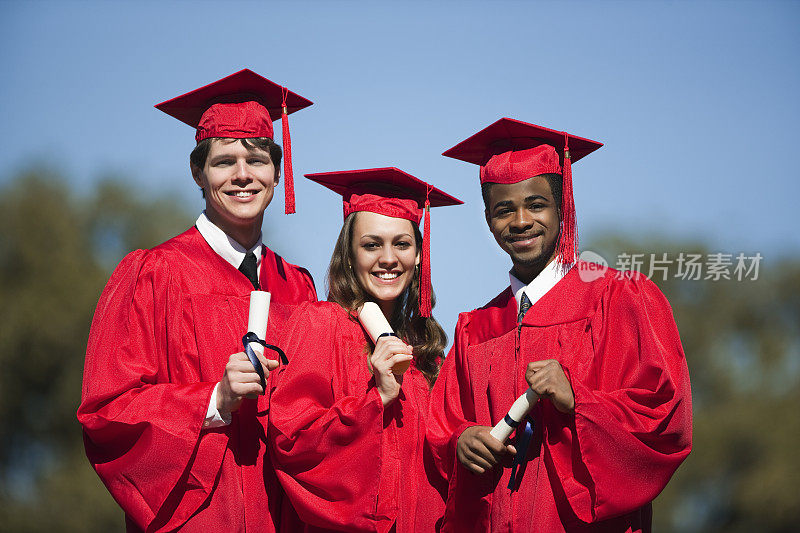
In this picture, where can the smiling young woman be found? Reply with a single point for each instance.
(372, 246)
(385, 256)
(338, 406)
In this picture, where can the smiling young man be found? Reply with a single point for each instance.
(602, 355)
(238, 180)
(169, 410)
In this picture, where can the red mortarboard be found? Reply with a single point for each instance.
(391, 192)
(510, 151)
(240, 106)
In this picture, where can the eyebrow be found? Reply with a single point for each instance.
(379, 238)
(531, 198)
(250, 153)
(220, 157)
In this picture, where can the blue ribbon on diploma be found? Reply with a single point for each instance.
(510, 421)
(523, 441)
(251, 337)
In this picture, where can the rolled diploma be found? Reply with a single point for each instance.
(371, 317)
(257, 318)
(519, 409)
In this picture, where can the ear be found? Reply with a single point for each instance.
(418, 259)
(196, 175)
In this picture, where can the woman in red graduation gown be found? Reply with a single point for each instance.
(166, 425)
(347, 433)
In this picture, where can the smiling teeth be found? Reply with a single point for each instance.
(243, 194)
(388, 275)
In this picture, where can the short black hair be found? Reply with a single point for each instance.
(555, 187)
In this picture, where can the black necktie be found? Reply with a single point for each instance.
(524, 305)
(249, 269)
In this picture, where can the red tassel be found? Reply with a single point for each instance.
(425, 264)
(568, 241)
(288, 177)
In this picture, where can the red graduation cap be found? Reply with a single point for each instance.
(510, 151)
(391, 192)
(240, 106)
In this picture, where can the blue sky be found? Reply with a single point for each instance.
(696, 103)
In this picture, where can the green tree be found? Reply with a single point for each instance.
(742, 345)
(56, 254)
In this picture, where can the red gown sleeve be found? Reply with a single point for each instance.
(326, 427)
(288, 283)
(452, 406)
(632, 425)
(142, 434)
(311, 291)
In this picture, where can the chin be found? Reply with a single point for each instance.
(381, 296)
(243, 218)
(527, 259)
(530, 262)
(385, 294)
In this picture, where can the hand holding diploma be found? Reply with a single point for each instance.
(241, 381)
(391, 356)
(246, 372)
(479, 451)
(389, 351)
(547, 379)
(373, 320)
(519, 410)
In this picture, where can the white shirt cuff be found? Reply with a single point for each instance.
(214, 418)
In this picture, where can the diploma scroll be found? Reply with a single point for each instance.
(519, 409)
(253, 341)
(373, 320)
(257, 318)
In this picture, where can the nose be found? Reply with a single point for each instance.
(522, 220)
(242, 171)
(388, 258)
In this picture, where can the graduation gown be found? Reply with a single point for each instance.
(344, 461)
(596, 470)
(162, 333)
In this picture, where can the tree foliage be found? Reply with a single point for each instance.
(56, 253)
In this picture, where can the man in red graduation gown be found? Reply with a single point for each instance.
(600, 350)
(173, 411)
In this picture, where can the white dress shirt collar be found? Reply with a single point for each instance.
(541, 284)
(227, 248)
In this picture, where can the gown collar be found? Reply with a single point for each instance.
(541, 284)
(227, 248)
